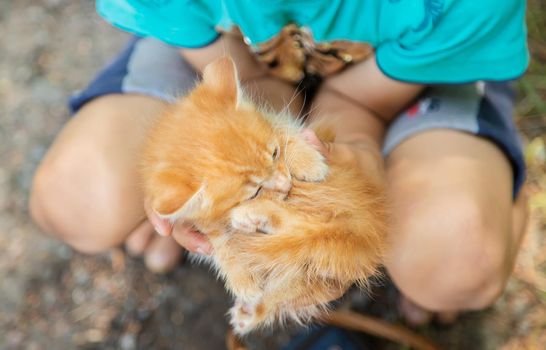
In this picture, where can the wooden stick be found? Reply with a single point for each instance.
(358, 322)
(361, 323)
(233, 342)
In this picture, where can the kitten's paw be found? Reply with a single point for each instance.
(306, 163)
(243, 317)
(315, 172)
(246, 220)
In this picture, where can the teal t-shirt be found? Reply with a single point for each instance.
(424, 41)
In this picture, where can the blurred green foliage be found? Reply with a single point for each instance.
(533, 85)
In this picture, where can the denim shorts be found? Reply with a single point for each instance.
(149, 67)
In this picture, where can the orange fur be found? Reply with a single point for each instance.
(282, 257)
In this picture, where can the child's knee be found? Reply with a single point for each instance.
(86, 189)
(450, 257)
(66, 202)
(73, 198)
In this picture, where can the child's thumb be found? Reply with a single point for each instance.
(161, 226)
(311, 138)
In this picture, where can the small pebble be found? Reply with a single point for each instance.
(127, 342)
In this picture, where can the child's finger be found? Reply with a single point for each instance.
(191, 240)
(161, 226)
(162, 254)
(139, 238)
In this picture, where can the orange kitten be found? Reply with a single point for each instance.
(214, 150)
(217, 161)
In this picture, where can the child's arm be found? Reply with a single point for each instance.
(362, 101)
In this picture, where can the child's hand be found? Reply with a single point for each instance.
(183, 233)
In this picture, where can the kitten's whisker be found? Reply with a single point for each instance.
(299, 115)
(285, 134)
(292, 99)
(295, 95)
(290, 158)
(310, 111)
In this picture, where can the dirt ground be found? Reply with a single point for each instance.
(52, 297)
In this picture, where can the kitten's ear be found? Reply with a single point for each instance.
(221, 75)
(179, 201)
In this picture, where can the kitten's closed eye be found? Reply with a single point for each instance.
(256, 193)
(275, 154)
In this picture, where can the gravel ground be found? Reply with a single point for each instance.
(50, 296)
(54, 298)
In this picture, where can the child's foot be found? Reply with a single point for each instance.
(416, 316)
(161, 254)
(447, 318)
(412, 313)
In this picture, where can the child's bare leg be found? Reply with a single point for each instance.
(457, 230)
(86, 189)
